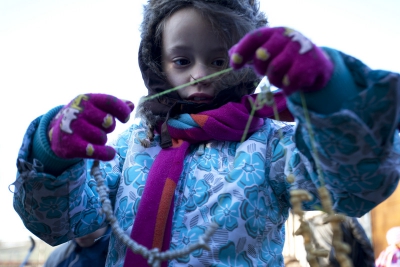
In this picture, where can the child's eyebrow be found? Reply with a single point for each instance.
(183, 48)
(177, 48)
(221, 49)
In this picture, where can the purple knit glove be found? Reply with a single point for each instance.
(289, 60)
(80, 128)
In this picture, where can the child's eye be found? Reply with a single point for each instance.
(182, 62)
(219, 62)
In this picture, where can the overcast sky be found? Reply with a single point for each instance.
(53, 50)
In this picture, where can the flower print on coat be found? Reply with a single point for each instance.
(111, 174)
(125, 213)
(137, 174)
(271, 252)
(278, 150)
(113, 255)
(362, 176)
(272, 245)
(121, 145)
(232, 147)
(249, 169)
(259, 136)
(253, 211)
(20, 208)
(38, 227)
(188, 169)
(61, 225)
(32, 204)
(87, 222)
(54, 206)
(28, 139)
(186, 238)
(338, 141)
(272, 208)
(179, 216)
(375, 102)
(280, 192)
(210, 159)
(229, 257)
(198, 193)
(225, 213)
(76, 197)
(51, 186)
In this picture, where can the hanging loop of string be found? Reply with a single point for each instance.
(154, 256)
(187, 84)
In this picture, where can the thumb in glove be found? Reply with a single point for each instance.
(80, 129)
(289, 60)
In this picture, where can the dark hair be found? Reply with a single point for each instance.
(230, 26)
(232, 19)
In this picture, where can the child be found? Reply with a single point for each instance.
(184, 166)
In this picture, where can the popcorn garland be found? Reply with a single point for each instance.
(341, 248)
(296, 199)
(298, 196)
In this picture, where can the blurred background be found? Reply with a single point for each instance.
(53, 50)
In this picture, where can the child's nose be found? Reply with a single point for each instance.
(200, 72)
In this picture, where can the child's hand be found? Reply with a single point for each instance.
(79, 129)
(289, 60)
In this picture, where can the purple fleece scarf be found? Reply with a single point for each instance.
(153, 223)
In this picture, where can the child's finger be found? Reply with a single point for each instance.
(104, 153)
(79, 148)
(268, 51)
(121, 109)
(278, 69)
(97, 117)
(303, 74)
(243, 52)
(89, 133)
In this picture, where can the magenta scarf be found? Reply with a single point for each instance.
(153, 223)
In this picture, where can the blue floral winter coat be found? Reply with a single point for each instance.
(240, 186)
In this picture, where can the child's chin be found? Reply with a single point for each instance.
(202, 101)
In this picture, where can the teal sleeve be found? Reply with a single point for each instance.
(340, 88)
(41, 149)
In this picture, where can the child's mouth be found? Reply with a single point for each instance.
(200, 98)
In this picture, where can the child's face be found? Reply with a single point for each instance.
(191, 50)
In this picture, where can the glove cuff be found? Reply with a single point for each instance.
(340, 88)
(41, 147)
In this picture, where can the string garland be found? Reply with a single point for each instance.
(187, 84)
(297, 196)
(155, 257)
(341, 248)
